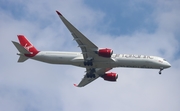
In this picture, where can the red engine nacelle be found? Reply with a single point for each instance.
(105, 52)
(110, 76)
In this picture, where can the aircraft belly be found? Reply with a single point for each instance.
(77, 60)
(134, 63)
(101, 64)
(54, 58)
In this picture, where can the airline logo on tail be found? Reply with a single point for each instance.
(28, 46)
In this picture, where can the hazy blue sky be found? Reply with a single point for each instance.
(130, 27)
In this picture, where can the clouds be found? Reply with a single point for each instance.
(38, 86)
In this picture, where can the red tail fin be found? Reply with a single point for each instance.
(27, 45)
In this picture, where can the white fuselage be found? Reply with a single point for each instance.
(116, 60)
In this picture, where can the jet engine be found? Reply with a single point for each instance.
(105, 52)
(110, 76)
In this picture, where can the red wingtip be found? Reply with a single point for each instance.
(75, 85)
(58, 13)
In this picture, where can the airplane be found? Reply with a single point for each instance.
(97, 61)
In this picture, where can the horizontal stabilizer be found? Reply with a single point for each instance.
(22, 58)
(20, 48)
(22, 51)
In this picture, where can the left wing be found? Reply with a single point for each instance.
(98, 73)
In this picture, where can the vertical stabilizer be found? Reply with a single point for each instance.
(28, 46)
(25, 48)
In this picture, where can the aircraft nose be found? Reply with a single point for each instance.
(168, 65)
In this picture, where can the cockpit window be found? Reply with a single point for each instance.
(164, 59)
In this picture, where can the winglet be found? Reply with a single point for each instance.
(75, 85)
(58, 13)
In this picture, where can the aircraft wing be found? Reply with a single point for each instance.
(89, 50)
(87, 47)
(99, 72)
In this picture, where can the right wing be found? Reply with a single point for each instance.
(88, 48)
(99, 72)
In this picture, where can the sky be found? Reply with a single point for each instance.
(148, 27)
